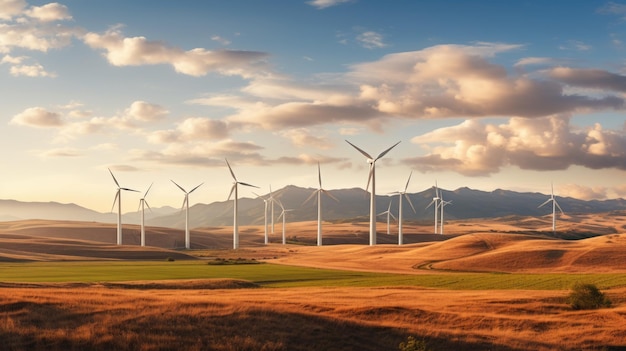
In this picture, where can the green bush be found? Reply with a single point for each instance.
(587, 297)
(413, 344)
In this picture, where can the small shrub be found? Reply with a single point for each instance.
(587, 297)
(170, 259)
(413, 344)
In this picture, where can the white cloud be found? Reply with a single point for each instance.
(575, 45)
(146, 112)
(192, 129)
(123, 51)
(583, 192)
(371, 40)
(302, 137)
(11, 8)
(38, 117)
(35, 70)
(220, 40)
(49, 12)
(322, 4)
(550, 143)
(61, 152)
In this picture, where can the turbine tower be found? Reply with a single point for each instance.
(435, 203)
(142, 204)
(442, 204)
(402, 194)
(284, 215)
(389, 215)
(265, 201)
(118, 199)
(186, 207)
(319, 192)
(554, 207)
(372, 179)
(234, 189)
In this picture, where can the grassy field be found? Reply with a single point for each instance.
(281, 276)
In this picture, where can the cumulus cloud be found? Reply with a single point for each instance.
(473, 148)
(38, 117)
(11, 8)
(35, 70)
(583, 192)
(147, 112)
(437, 82)
(303, 137)
(191, 129)
(49, 12)
(322, 4)
(307, 159)
(124, 51)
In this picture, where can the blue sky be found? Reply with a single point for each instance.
(485, 94)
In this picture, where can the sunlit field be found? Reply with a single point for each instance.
(478, 290)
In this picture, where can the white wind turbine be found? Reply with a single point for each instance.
(372, 179)
(265, 201)
(272, 200)
(435, 203)
(186, 207)
(319, 192)
(235, 190)
(442, 204)
(389, 215)
(284, 215)
(142, 204)
(118, 199)
(554, 207)
(402, 194)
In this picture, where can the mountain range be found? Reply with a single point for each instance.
(352, 205)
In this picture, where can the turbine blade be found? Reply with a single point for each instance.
(559, 207)
(191, 191)
(115, 180)
(369, 177)
(117, 195)
(389, 208)
(361, 151)
(150, 187)
(179, 187)
(139, 207)
(319, 174)
(330, 195)
(548, 200)
(430, 204)
(231, 191)
(146, 202)
(410, 203)
(127, 189)
(386, 151)
(310, 197)
(250, 185)
(392, 216)
(407, 182)
(184, 202)
(231, 170)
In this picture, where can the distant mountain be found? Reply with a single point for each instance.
(353, 204)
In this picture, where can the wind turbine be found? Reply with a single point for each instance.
(186, 207)
(435, 202)
(272, 201)
(284, 215)
(402, 194)
(319, 192)
(118, 199)
(442, 204)
(389, 215)
(142, 204)
(265, 201)
(235, 190)
(554, 207)
(372, 179)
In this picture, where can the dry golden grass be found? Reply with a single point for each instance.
(221, 315)
(101, 318)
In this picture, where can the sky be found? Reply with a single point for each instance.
(485, 94)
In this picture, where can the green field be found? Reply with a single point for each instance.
(274, 276)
